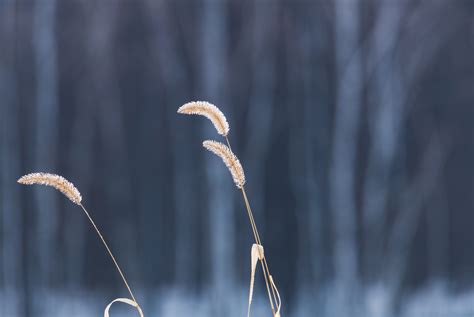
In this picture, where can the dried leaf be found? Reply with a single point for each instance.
(255, 255)
(126, 301)
(272, 283)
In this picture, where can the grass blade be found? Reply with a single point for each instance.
(126, 301)
(255, 254)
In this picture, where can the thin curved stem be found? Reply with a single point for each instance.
(110, 252)
(257, 240)
(228, 143)
(263, 261)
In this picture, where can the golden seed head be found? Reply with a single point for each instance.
(208, 110)
(53, 180)
(230, 160)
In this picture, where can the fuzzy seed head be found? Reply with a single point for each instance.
(230, 160)
(209, 111)
(53, 180)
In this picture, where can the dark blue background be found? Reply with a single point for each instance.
(353, 121)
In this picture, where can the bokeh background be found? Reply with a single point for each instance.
(353, 121)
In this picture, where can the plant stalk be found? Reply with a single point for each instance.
(263, 261)
(110, 253)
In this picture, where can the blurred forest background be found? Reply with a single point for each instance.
(353, 121)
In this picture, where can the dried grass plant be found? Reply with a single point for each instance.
(71, 192)
(219, 121)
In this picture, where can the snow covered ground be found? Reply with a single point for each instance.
(433, 301)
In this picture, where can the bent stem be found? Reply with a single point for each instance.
(257, 240)
(110, 252)
(266, 271)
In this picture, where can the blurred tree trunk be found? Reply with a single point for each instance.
(258, 126)
(12, 302)
(385, 119)
(412, 202)
(310, 124)
(186, 189)
(46, 142)
(106, 21)
(81, 150)
(342, 169)
(220, 187)
(438, 233)
(392, 92)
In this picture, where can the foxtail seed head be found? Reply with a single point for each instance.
(208, 110)
(230, 160)
(53, 180)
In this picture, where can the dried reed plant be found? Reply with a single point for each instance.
(71, 192)
(216, 116)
